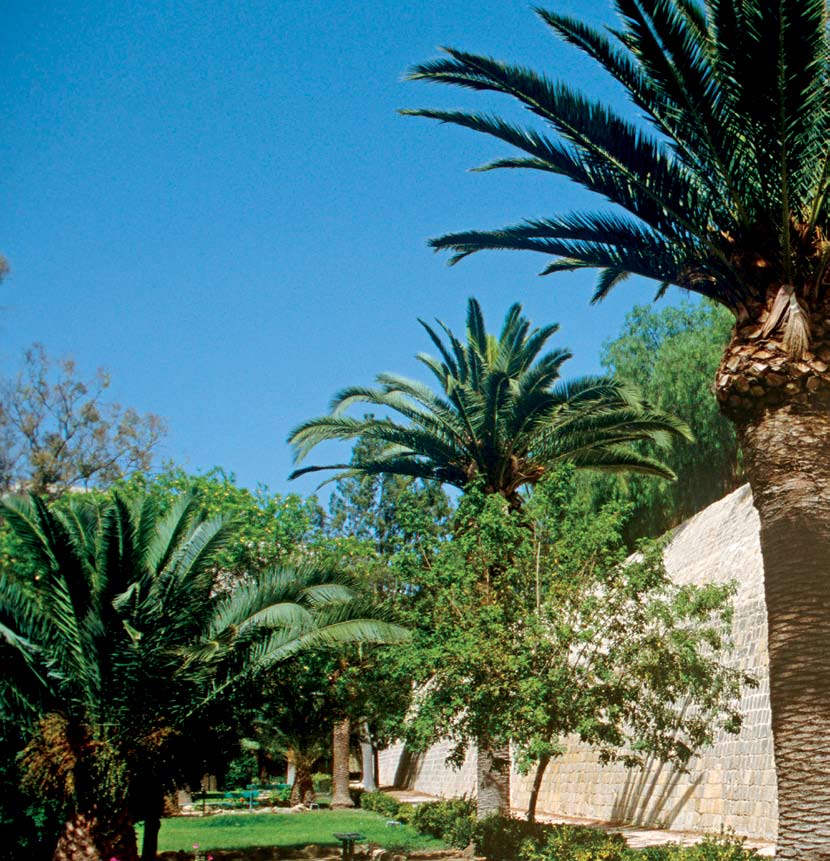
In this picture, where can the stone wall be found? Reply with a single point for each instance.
(427, 772)
(732, 784)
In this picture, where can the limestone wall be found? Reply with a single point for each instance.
(731, 784)
(427, 772)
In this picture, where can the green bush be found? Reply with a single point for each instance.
(241, 771)
(452, 820)
(565, 843)
(380, 803)
(321, 782)
(279, 796)
(498, 838)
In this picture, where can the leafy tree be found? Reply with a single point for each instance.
(605, 649)
(501, 422)
(502, 415)
(649, 350)
(271, 528)
(57, 431)
(119, 637)
(720, 187)
(386, 510)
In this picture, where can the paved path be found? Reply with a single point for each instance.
(636, 836)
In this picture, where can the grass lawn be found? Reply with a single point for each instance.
(286, 829)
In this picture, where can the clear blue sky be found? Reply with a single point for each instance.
(218, 202)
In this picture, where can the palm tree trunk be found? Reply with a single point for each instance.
(86, 837)
(341, 797)
(787, 458)
(493, 779)
(302, 789)
(541, 767)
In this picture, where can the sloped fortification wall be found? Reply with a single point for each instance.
(732, 784)
(427, 772)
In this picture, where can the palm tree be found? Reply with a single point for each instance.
(116, 633)
(721, 189)
(502, 417)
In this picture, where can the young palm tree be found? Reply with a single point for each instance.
(503, 418)
(115, 634)
(722, 189)
(502, 415)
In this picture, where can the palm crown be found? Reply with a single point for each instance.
(722, 192)
(502, 415)
(114, 631)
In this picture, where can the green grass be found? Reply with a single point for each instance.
(286, 829)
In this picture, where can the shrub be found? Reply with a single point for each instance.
(499, 838)
(279, 796)
(321, 782)
(451, 820)
(380, 803)
(567, 843)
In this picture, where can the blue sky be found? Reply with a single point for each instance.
(219, 203)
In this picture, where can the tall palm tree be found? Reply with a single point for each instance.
(502, 416)
(116, 633)
(721, 188)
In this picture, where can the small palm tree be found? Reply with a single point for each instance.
(501, 417)
(722, 188)
(115, 634)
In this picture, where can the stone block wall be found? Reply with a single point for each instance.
(428, 772)
(732, 784)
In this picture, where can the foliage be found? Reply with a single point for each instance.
(385, 805)
(241, 770)
(269, 528)
(120, 637)
(501, 415)
(451, 820)
(29, 821)
(503, 839)
(389, 512)
(322, 782)
(721, 187)
(530, 636)
(650, 350)
(58, 431)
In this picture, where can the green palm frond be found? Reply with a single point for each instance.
(502, 414)
(727, 171)
(122, 629)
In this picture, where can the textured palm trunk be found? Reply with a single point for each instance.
(86, 837)
(341, 797)
(302, 788)
(493, 780)
(782, 413)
